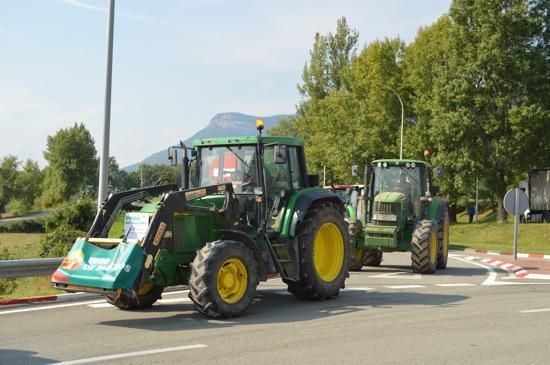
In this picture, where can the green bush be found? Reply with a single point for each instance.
(79, 215)
(17, 207)
(58, 242)
(7, 286)
(27, 226)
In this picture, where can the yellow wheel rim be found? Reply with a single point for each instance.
(146, 288)
(232, 281)
(328, 252)
(433, 247)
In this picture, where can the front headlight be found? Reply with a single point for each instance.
(384, 217)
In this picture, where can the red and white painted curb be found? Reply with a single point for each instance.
(518, 271)
(48, 298)
(539, 256)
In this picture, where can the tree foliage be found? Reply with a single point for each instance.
(72, 163)
(475, 87)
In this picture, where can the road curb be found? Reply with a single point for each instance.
(517, 270)
(69, 297)
(540, 256)
(49, 298)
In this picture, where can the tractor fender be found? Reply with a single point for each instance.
(240, 236)
(306, 200)
(437, 209)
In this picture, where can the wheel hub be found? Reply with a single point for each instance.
(232, 280)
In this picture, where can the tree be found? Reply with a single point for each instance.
(27, 188)
(361, 120)
(490, 101)
(330, 57)
(71, 155)
(8, 177)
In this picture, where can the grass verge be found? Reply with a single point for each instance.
(491, 236)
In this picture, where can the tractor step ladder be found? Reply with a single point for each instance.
(284, 260)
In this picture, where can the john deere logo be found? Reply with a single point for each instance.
(73, 260)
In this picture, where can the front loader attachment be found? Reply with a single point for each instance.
(100, 264)
(91, 266)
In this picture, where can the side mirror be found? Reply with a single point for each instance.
(439, 172)
(280, 153)
(313, 180)
(173, 156)
(354, 170)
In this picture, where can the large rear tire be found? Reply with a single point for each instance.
(373, 257)
(443, 241)
(145, 297)
(324, 253)
(424, 248)
(223, 280)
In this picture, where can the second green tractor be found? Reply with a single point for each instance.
(398, 209)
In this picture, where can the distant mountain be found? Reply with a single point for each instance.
(221, 125)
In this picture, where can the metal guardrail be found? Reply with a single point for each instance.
(28, 267)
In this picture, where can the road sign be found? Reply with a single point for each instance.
(513, 197)
(515, 203)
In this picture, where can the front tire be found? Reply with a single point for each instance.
(324, 253)
(443, 242)
(424, 248)
(223, 280)
(145, 297)
(373, 257)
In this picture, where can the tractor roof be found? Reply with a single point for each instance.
(250, 140)
(400, 162)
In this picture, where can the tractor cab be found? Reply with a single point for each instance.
(394, 183)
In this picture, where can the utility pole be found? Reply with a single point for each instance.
(104, 159)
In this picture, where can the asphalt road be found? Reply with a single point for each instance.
(470, 313)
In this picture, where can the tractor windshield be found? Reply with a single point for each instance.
(234, 164)
(397, 179)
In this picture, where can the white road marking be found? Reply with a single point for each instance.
(101, 305)
(359, 289)
(456, 284)
(130, 354)
(392, 275)
(175, 300)
(491, 280)
(536, 310)
(404, 286)
(54, 306)
(538, 276)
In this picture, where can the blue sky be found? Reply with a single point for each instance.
(176, 63)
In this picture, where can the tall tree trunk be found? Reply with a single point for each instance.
(452, 213)
(501, 212)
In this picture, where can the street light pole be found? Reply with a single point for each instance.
(104, 160)
(402, 118)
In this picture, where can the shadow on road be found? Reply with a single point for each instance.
(278, 306)
(22, 357)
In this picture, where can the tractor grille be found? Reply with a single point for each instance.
(386, 214)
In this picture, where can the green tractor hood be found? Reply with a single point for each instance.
(389, 197)
(88, 265)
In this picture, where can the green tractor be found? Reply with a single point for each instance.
(247, 211)
(398, 209)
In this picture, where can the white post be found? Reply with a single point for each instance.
(516, 221)
(324, 176)
(477, 196)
